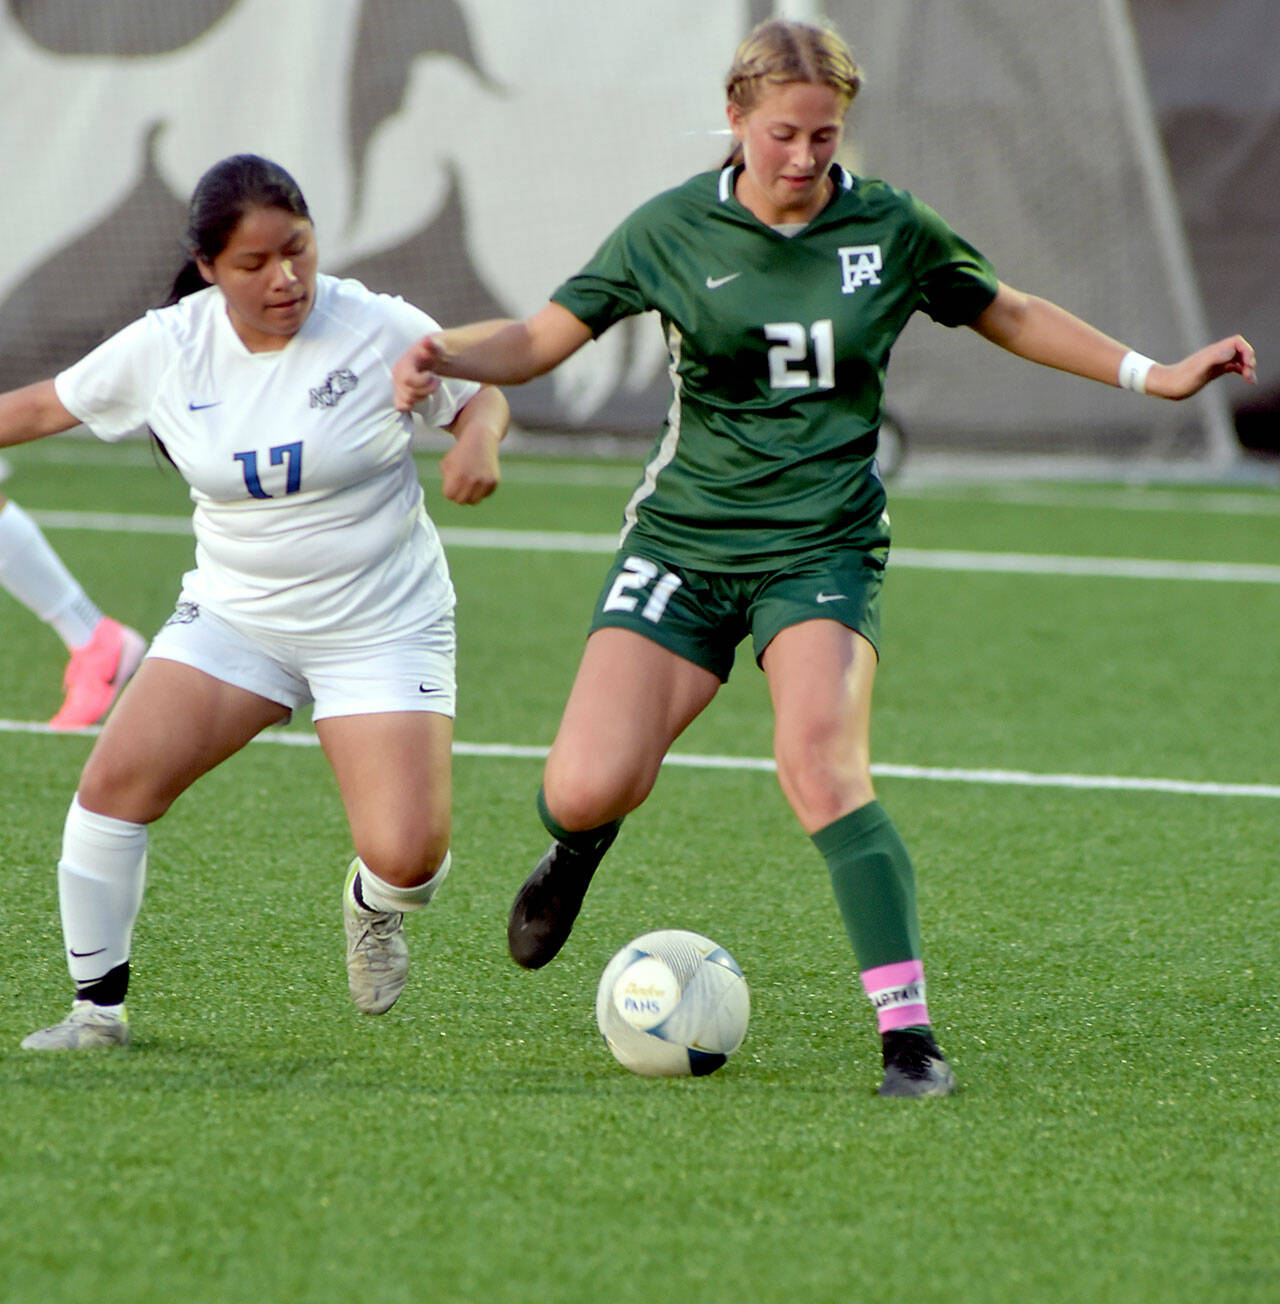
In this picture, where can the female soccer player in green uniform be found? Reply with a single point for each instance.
(782, 282)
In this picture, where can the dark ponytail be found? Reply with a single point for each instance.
(187, 281)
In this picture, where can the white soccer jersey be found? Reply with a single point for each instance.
(309, 517)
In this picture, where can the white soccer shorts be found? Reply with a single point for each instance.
(414, 673)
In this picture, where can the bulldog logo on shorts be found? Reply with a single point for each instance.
(184, 613)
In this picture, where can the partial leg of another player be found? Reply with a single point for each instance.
(172, 725)
(104, 653)
(631, 699)
(394, 770)
(820, 677)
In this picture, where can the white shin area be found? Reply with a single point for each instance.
(381, 895)
(101, 877)
(35, 575)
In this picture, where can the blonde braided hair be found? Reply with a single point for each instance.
(776, 52)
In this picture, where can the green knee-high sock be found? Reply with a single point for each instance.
(589, 843)
(874, 886)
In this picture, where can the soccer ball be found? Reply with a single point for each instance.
(672, 1004)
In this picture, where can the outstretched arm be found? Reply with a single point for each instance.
(32, 413)
(504, 352)
(1040, 331)
(469, 470)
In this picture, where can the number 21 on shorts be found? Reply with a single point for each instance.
(641, 578)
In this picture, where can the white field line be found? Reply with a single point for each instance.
(1136, 497)
(1133, 568)
(112, 522)
(763, 764)
(1010, 563)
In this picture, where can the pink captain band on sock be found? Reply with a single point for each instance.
(907, 1016)
(893, 975)
(896, 992)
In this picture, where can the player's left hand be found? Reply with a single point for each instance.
(469, 470)
(1232, 356)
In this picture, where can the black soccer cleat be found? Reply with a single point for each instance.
(914, 1065)
(545, 908)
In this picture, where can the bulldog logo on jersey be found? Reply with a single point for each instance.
(336, 384)
(859, 265)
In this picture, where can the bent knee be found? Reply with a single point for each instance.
(821, 789)
(124, 793)
(407, 860)
(585, 797)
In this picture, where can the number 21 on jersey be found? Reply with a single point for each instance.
(793, 347)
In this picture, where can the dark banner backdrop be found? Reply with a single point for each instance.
(469, 154)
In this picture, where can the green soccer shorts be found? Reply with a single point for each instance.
(702, 616)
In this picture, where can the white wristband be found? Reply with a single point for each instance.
(1133, 372)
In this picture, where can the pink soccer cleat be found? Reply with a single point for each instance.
(97, 672)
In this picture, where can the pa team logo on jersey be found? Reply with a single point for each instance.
(859, 265)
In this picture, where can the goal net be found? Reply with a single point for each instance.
(1027, 125)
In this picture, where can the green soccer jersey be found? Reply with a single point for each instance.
(778, 347)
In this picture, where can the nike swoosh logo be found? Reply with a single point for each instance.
(715, 282)
(427, 688)
(829, 597)
(200, 407)
(84, 955)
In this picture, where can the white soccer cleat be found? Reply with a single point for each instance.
(86, 1027)
(377, 954)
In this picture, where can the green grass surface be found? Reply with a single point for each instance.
(1101, 963)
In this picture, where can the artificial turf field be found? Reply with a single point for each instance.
(1101, 954)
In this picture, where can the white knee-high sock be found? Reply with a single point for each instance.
(100, 880)
(378, 894)
(35, 575)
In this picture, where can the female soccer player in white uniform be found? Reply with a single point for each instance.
(318, 575)
(782, 283)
